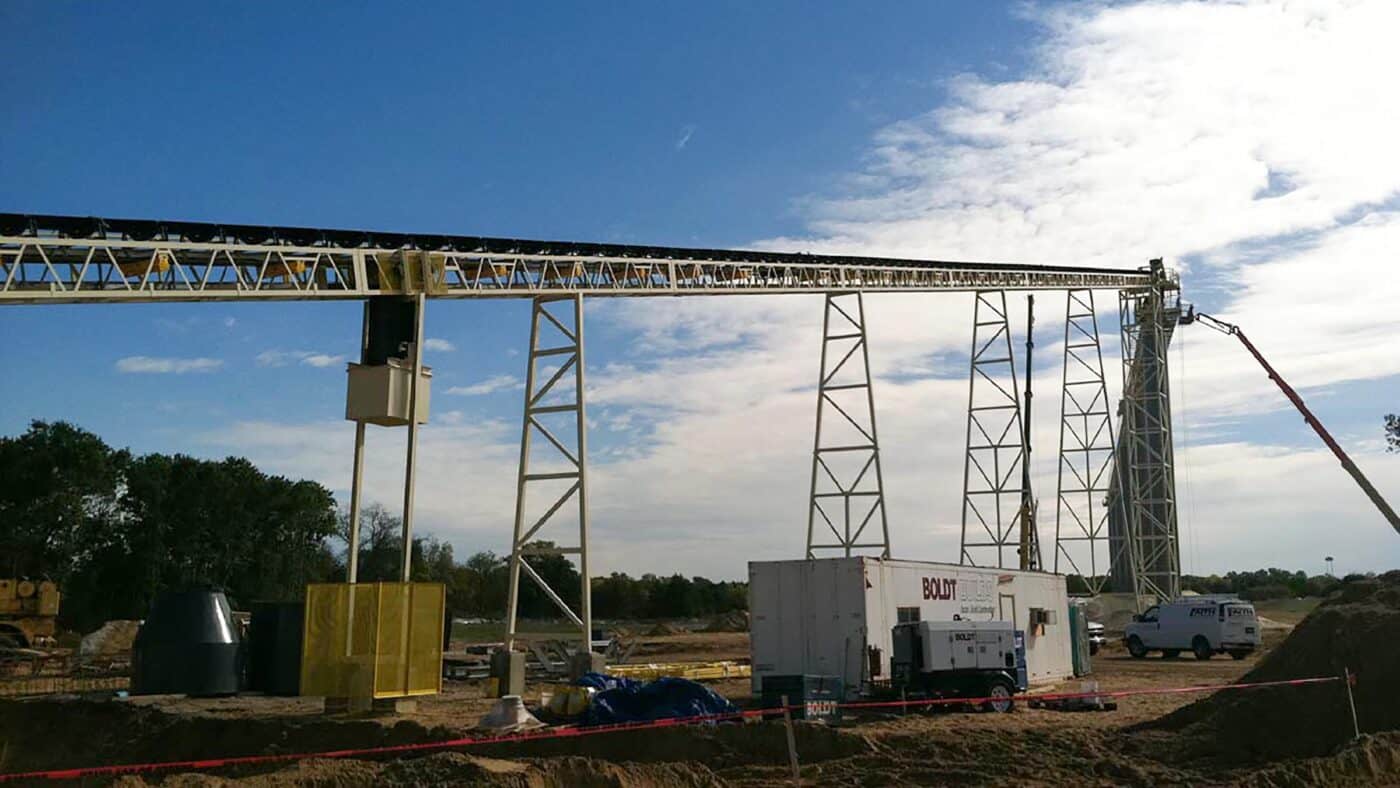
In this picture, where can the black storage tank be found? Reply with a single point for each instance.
(189, 644)
(274, 647)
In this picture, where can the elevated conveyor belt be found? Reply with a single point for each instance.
(69, 259)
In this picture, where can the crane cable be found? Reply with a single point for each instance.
(1187, 511)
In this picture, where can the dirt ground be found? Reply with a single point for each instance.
(1130, 746)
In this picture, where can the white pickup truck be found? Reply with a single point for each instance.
(1203, 625)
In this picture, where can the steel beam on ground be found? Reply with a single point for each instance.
(852, 482)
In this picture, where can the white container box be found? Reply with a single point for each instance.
(822, 616)
(379, 393)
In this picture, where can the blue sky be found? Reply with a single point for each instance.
(1089, 134)
(646, 122)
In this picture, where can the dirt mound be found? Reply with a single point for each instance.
(54, 735)
(735, 621)
(456, 769)
(913, 751)
(1370, 760)
(1355, 629)
(113, 637)
(57, 734)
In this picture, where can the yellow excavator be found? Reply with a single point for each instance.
(28, 613)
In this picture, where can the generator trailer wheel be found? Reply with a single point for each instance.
(1000, 692)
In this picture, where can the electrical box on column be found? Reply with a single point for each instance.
(379, 386)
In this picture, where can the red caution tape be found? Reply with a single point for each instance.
(574, 732)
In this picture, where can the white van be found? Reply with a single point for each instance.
(1203, 625)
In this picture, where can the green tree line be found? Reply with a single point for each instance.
(477, 587)
(115, 529)
(1259, 584)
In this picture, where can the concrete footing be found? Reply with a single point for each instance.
(508, 671)
(586, 662)
(375, 705)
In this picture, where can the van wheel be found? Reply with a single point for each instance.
(1171, 653)
(1201, 648)
(1238, 653)
(1136, 647)
(999, 690)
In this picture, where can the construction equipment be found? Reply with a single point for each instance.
(1029, 549)
(69, 259)
(970, 659)
(1192, 316)
(28, 612)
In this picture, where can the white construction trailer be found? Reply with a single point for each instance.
(833, 616)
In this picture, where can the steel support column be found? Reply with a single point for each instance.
(411, 458)
(992, 485)
(558, 465)
(1086, 467)
(847, 490)
(357, 477)
(1148, 318)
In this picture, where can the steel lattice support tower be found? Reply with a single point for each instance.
(565, 466)
(1086, 464)
(992, 485)
(1148, 318)
(847, 484)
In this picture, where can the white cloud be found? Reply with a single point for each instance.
(320, 360)
(1148, 129)
(687, 131)
(433, 343)
(176, 366)
(281, 358)
(1181, 129)
(1177, 129)
(1200, 131)
(491, 385)
(484, 452)
(230, 322)
(274, 358)
(1144, 129)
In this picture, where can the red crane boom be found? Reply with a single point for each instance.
(1192, 316)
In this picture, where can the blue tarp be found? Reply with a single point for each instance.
(625, 700)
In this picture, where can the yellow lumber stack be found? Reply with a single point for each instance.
(695, 671)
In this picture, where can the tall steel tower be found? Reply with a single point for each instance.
(1143, 526)
(846, 514)
(1086, 468)
(993, 485)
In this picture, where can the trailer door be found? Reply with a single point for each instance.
(1006, 610)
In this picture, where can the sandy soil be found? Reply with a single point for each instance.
(1028, 747)
(692, 647)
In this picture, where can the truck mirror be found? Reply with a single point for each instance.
(1137, 618)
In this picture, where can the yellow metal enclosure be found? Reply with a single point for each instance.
(373, 640)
